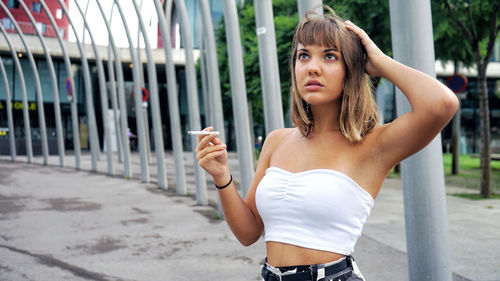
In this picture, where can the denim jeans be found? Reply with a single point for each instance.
(351, 273)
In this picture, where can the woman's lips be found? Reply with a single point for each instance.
(313, 85)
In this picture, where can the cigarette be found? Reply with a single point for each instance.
(202, 133)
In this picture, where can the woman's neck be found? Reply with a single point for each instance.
(326, 117)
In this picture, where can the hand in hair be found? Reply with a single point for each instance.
(374, 54)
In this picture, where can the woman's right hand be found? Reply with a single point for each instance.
(212, 155)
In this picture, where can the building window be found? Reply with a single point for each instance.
(13, 4)
(41, 27)
(62, 32)
(59, 14)
(36, 7)
(7, 23)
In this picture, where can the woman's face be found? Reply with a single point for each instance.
(319, 73)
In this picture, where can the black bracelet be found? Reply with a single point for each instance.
(222, 187)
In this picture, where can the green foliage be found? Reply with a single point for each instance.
(372, 16)
(451, 43)
(285, 20)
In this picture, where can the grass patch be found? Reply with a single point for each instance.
(469, 175)
(474, 196)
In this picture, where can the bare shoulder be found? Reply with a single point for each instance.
(273, 140)
(279, 134)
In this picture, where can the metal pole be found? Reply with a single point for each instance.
(10, 120)
(137, 98)
(305, 6)
(455, 138)
(192, 91)
(73, 101)
(121, 95)
(155, 104)
(145, 103)
(213, 70)
(38, 87)
(168, 13)
(114, 104)
(103, 94)
(26, 117)
(423, 176)
(268, 61)
(55, 86)
(112, 86)
(239, 95)
(94, 142)
(204, 78)
(173, 104)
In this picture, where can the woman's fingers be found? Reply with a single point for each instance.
(374, 54)
(363, 36)
(207, 129)
(209, 150)
(204, 141)
(210, 157)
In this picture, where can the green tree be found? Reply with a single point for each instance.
(476, 22)
(285, 20)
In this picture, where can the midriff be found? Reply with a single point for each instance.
(282, 254)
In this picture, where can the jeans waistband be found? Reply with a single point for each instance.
(316, 272)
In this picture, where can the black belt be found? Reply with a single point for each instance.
(311, 274)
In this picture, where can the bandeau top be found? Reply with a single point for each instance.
(319, 209)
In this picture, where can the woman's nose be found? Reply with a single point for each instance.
(314, 67)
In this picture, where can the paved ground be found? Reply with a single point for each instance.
(61, 224)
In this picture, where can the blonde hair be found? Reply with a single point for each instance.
(359, 113)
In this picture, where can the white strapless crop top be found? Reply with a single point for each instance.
(319, 209)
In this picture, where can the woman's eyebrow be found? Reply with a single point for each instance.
(330, 50)
(302, 50)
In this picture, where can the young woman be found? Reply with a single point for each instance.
(315, 184)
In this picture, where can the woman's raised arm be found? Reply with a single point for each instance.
(433, 104)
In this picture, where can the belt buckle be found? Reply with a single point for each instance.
(269, 275)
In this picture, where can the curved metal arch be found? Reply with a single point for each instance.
(38, 87)
(173, 103)
(239, 95)
(103, 94)
(94, 142)
(137, 98)
(155, 103)
(69, 71)
(213, 69)
(26, 118)
(143, 85)
(121, 95)
(53, 80)
(168, 12)
(268, 65)
(112, 86)
(204, 75)
(192, 91)
(114, 101)
(10, 120)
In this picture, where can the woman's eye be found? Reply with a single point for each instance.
(330, 57)
(302, 56)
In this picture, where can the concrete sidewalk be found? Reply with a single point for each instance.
(61, 224)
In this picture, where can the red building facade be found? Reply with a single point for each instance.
(42, 20)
